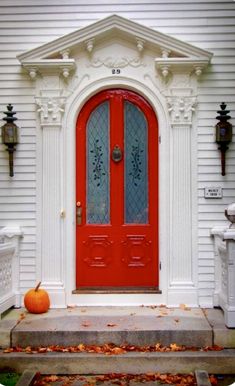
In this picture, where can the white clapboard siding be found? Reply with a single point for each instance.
(208, 24)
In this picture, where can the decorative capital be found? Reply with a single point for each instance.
(181, 109)
(51, 110)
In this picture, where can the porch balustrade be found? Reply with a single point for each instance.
(224, 295)
(7, 297)
(9, 268)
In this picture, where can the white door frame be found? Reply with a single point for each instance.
(73, 108)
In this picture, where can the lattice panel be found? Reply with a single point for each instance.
(5, 275)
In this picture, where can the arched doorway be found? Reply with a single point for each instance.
(117, 193)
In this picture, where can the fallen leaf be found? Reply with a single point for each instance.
(163, 377)
(51, 378)
(89, 384)
(175, 347)
(81, 347)
(213, 348)
(21, 317)
(176, 320)
(213, 380)
(101, 378)
(86, 324)
(42, 349)
(118, 351)
(8, 350)
(163, 313)
(184, 307)
(111, 325)
(157, 346)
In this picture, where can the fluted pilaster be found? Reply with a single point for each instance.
(50, 109)
(181, 275)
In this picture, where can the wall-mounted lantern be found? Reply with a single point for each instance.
(223, 133)
(10, 135)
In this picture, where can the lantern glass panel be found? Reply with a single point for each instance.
(9, 134)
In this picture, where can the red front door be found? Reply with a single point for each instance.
(117, 192)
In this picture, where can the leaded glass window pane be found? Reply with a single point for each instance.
(136, 165)
(98, 202)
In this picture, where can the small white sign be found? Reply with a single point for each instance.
(213, 192)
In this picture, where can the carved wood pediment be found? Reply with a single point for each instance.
(169, 54)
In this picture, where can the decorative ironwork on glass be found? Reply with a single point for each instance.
(98, 162)
(136, 165)
(98, 201)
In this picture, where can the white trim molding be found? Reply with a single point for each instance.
(162, 69)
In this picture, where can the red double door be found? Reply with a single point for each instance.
(117, 193)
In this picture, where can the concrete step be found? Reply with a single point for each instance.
(216, 362)
(161, 325)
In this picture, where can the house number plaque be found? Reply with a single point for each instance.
(116, 71)
(213, 192)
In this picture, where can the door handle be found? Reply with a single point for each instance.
(79, 213)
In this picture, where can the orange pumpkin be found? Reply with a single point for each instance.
(37, 300)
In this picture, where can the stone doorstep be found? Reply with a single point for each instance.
(140, 325)
(137, 338)
(28, 377)
(215, 362)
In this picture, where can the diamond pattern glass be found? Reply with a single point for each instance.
(136, 165)
(98, 202)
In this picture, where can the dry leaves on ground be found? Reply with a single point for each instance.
(122, 379)
(108, 349)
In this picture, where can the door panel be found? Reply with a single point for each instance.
(97, 166)
(117, 192)
(136, 165)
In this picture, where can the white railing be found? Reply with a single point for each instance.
(7, 296)
(9, 268)
(224, 295)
